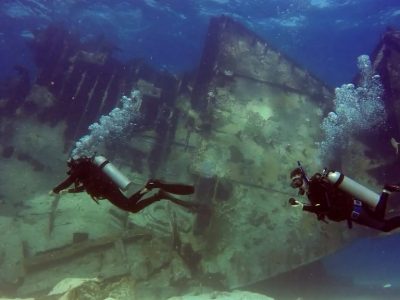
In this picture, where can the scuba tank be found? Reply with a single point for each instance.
(112, 172)
(351, 187)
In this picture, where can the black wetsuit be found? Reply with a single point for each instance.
(86, 176)
(327, 201)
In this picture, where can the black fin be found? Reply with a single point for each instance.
(177, 188)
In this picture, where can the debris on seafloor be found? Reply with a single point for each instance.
(234, 295)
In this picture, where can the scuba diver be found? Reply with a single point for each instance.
(337, 197)
(102, 180)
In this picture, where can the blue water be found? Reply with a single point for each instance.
(324, 36)
(369, 261)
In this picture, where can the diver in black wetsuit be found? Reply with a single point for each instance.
(101, 180)
(330, 200)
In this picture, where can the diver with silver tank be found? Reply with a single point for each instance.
(102, 180)
(338, 198)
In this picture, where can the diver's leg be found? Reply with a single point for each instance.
(177, 201)
(138, 195)
(368, 218)
(141, 204)
(392, 187)
(175, 188)
(133, 203)
(117, 198)
(380, 208)
(391, 224)
(160, 196)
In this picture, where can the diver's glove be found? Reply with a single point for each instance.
(294, 203)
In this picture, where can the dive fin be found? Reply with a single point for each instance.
(177, 188)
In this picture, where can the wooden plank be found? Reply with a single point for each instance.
(55, 256)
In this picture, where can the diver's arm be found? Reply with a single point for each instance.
(306, 207)
(316, 209)
(312, 208)
(77, 189)
(63, 185)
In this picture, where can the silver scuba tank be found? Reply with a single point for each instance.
(348, 185)
(112, 172)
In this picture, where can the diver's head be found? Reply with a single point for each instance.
(78, 161)
(73, 160)
(298, 181)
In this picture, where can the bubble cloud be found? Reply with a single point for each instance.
(356, 110)
(109, 126)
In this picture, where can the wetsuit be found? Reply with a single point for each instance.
(328, 201)
(86, 176)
